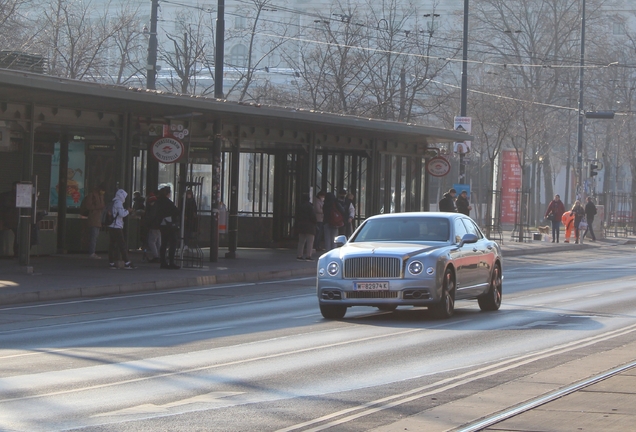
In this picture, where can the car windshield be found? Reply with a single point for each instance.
(422, 229)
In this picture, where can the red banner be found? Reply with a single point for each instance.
(510, 186)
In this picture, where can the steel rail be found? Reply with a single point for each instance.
(541, 400)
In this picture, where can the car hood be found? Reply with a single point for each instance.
(404, 250)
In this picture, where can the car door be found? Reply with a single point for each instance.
(464, 259)
(485, 255)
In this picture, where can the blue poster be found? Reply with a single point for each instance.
(461, 187)
(74, 177)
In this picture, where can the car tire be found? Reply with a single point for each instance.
(491, 301)
(446, 307)
(333, 312)
(387, 308)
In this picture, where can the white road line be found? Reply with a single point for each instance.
(198, 331)
(450, 383)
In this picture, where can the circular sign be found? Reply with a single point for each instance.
(438, 166)
(167, 150)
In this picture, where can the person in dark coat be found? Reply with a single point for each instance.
(590, 212)
(305, 228)
(330, 224)
(11, 214)
(190, 221)
(553, 213)
(463, 206)
(447, 203)
(168, 213)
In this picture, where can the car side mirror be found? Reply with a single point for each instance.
(468, 239)
(340, 240)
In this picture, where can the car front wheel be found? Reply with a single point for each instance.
(446, 307)
(491, 301)
(333, 312)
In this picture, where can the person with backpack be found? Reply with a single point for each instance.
(168, 214)
(116, 212)
(94, 203)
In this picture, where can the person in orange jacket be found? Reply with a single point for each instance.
(568, 222)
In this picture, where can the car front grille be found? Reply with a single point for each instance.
(372, 267)
(371, 294)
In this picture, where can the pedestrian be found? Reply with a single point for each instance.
(352, 199)
(319, 202)
(11, 214)
(553, 213)
(579, 213)
(463, 205)
(447, 203)
(334, 219)
(95, 205)
(152, 223)
(305, 228)
(168, 214)
(348, 214)
(190, 221)
(138, 203)
(568, 222)
(117, 243)
(590, 212)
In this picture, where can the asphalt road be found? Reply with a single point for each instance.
(248, 357)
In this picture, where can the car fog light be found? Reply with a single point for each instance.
(430, 271)
(416, 268)
(333, 268)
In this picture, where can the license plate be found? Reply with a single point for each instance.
(370, 286)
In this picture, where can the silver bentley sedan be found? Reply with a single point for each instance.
(411, 259)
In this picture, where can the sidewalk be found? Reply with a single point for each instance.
(58, 277)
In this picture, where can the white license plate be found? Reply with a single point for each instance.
(370, 286)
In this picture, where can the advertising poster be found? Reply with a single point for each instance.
(511, 184)
(74, 175)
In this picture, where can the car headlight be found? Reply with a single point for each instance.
(430, 271)
(416, 268)
(333, 268)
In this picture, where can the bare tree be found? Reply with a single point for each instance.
(77, 37)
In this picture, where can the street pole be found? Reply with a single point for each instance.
(579, 156)
(464, 89)
(217, 132)
(152, 48)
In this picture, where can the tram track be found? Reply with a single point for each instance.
(541, 400)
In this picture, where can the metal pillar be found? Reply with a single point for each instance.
(464, 89)
(152, 48)
(579, 156)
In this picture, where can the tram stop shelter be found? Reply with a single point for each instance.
(60, 138)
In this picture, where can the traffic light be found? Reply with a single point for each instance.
(593, 169)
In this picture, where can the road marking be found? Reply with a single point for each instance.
(153, 314)
(450, 383)
(198, 331)
(146, 409)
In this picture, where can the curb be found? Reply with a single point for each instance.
(162, 285)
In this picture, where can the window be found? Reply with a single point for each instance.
(238, 56)
(240, 22)
(618, 29)
(460, 230)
